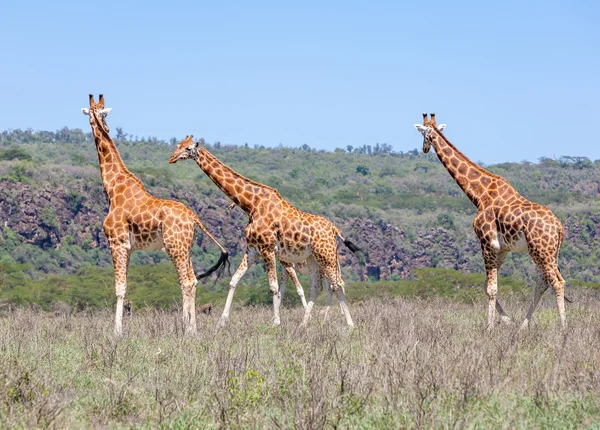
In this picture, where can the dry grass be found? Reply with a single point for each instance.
(410, 363)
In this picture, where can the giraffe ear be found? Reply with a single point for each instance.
(421, 128)
(104, 112)
(85, 111)
(441, 127)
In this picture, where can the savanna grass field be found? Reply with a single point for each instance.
(409, 363)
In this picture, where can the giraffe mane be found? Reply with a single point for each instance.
(458, 152)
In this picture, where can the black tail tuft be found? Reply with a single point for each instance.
(568, 300)
(219, 267)
(351, 246)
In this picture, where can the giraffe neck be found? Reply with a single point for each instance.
(112, 168)
(480, 186)
(244, 192)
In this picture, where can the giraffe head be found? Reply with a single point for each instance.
(186, 149)
(427, 129)
(97, 113)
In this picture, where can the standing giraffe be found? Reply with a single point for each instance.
(137, 220)
(276, 229)
(505, 222)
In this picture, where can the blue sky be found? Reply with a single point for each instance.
(513, 80)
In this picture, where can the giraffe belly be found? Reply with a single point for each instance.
(516, 243)
(292, 255)
(151, 242)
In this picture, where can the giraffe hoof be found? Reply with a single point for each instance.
(525, 325)
(506, 320)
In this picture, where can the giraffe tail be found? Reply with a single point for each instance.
(351, 245)
(223, 261)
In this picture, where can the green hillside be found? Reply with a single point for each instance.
(403, 209)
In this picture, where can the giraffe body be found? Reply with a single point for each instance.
(276, 230)
(505, 222)
(137, 220)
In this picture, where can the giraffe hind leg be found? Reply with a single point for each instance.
(331, 274)
(315, 288)
(540, 287)
(182, 263)
(558, 284)
(271, 266)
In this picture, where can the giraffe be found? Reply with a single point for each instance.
(276, 229)
(138, 221)
(505, 222)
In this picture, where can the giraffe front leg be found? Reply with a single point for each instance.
(120, 255)
(248, 260)
(492, 291)
(291, 272)
(504, 318)
(271, 266)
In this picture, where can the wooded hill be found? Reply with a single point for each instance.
(403, 209)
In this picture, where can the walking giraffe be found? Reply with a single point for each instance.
(505, 222)
(137, 220)
(276, 229)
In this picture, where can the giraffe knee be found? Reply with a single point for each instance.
(492, 290)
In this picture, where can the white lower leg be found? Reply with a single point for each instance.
(276, 304)
(307, 312)
(505, 319)
(246, 262)
(540, 288)
(225, 314)
(492, 291)
(344, 307)
(119, 316)
(491, 312)
(560, 303)
(121, 288)
(191, 312)
(302, 298)
(329, 296)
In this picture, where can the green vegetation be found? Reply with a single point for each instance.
(410, 363)
(402, 208)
